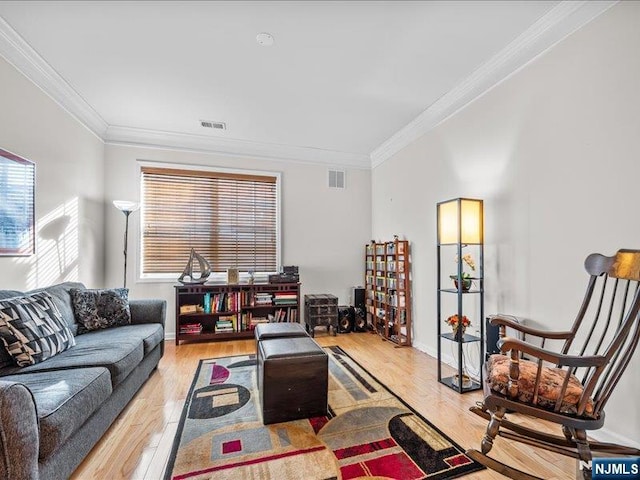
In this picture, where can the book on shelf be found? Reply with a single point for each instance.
(185, 309)
(262, 299)
(227, 324)
(190, 328)
(256, 321)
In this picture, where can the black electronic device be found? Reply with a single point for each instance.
(345, 319)
(358, 297)
(492, 334)
(360, 319)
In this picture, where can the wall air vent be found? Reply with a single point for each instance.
(336, 179)
(214, 125)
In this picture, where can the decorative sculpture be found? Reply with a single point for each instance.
(204, 268)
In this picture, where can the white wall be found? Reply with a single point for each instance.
(555, 153)
(323, 230)
(69, 187)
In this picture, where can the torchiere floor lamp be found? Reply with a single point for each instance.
(127, 208)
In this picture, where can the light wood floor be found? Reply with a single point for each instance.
(138, 444)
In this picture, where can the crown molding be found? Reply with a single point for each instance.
(20, 54)
(558, 23)
(129, 136)
(555, 25)
(27, 61)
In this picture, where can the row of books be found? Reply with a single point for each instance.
(284, 315)
(234, 301)
(222, 302)
(285, 298)
(390, 249)
(261, 298)
(242, 322)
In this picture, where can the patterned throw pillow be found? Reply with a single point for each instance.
(98, 309)
(32, 328)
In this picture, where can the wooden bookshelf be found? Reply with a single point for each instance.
(388, 290)
(231, 311)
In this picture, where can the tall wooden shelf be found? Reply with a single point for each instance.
(233, 309)
(388, 290)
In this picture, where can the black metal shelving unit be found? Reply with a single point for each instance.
(450, 248)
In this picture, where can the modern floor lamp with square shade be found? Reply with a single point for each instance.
(460, 225)
(127, 208)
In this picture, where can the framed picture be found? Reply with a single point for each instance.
(233, 276)
(17, 205)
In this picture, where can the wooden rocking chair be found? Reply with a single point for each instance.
(575, 390)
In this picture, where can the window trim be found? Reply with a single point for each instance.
(215, 276)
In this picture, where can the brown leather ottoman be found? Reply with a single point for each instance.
(264, 331)
(292, 379)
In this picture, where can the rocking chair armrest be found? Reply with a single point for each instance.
(507, 344)
(505, 321)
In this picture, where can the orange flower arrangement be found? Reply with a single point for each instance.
(454, 322)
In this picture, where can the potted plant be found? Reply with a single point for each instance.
(466, 278)
(455, 323)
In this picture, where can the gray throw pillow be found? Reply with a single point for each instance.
(98, 309)
(32, 328)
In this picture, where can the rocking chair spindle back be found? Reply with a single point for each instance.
(606, 331)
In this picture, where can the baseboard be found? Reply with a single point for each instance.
(169, 336)
(605, 435)
(602, 435)
(432, 352)
(446, 358)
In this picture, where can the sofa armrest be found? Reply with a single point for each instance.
(148, 311)
(19, 436)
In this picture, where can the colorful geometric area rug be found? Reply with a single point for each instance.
(368, 431)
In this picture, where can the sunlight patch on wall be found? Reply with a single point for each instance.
(57, 247)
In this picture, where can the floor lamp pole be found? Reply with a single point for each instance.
(126, 238)
(127, 208)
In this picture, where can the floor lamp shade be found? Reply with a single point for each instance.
(460, 220)
(126, 206)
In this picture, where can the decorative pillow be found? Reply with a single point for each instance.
(550, 387)
(98, 309)
(32, 328)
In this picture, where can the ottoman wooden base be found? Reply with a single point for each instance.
(292, 379)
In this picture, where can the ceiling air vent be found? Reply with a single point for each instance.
(336, 178)
(214, 125)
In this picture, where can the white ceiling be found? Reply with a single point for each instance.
(341, 79)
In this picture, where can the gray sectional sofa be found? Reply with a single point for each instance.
(54, 412)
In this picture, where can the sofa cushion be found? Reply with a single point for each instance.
(118, 349)
(32, 328)
(5, 358)
(64, 401)
(120, 355)
(147, 334)
(9, 293)
(100, 309)
(152, 334)
(62, 299)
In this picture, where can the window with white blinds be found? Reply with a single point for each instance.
(17, 203)
(230, 219)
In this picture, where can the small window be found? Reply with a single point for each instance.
(17, 192)
(231, 219)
